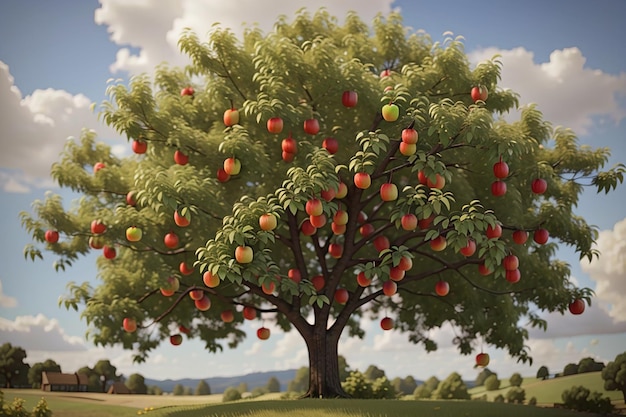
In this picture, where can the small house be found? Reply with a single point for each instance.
(57, 381)
(118, 388)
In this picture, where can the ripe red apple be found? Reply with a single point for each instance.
(361, 217)
(109, 252)
(139, 146)
(520, 236)
(469, 249)
(307, 228)
(176, 339)
(131, 200)
(409, 136)
(362, 280)
(331, 145)
(366, 230)
(501, 169)
(263, 333)
(275, 125)
(408, 149)
(96, 242)
(171, 285)
(396, 273)
(498, 188)
(439, 243)
(51, 236)
(539, 186)
(196, 294)
(231, 117)
(349, 98)
(289, 145)
(405, 263)
(180, 220)
(577, 306)
(386, 323)
(442, 288)
(287, 156)
(482, 359)
(329, 194)
(390, 288)
(129, 325)
(314, 207)
(388, 192)
(494, 232)
(187, 91)
(510, 262)
(340, 217)
(98, 166)
(318, 282)
(479, 93)
(294, 275)
(390, 112)
(184, 329)
(421, 177)
(385, 73)
(210, 280)
(244, 254)
(268, 222)
(381, 243)
(185, 269)
(439, 182)
(203, 304)
(362, 180)
(232, 166)
(171, 240)
(409, 222)
(227, 316)
(342, 295)
(222, 176)
(342, 190)
(335, 250)
(541, 236)
(249, 313)
(513, 275)
(97, 227)
(311, 126)
(318, 221)
(268, 287)
(426, 222)
(483, 270)
(180, 158)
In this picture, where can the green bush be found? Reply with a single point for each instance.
(16, 409)
(357, 386)
(516, 395)
(231, 394)
(498, 399)
(582, 399)
(532, 401)
(258, 391)
(422, 392)
(492, 383)
(383, 388)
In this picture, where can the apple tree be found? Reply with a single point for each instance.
(313, 176)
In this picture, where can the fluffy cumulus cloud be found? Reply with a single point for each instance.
(568, 92)
(33, 131)
(609, 272)
(39, 333)
(149, 35)
(6, 301)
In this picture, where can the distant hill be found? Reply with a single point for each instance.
(219, 384)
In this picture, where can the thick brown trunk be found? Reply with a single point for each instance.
(324, 379)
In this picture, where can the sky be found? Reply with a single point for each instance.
(56, 56)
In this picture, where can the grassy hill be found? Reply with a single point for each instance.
(549, 391)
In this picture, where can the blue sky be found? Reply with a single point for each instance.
(56, 58)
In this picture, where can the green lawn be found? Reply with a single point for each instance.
(68, 407)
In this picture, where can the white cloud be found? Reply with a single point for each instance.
(5, 300)
(609, 271)
(153, 32)
(567, 92)
(36, 333)
(34, 129)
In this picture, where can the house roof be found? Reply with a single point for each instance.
(118, 388)
(58, 378)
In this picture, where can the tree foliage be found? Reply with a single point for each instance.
(136, 383)
(570, 369)
(614, 375)
(543, 372)
(452, 387)
(589, 365)
(373, 372)
(34, 373)
(582, 399)
(13, 370)
(422, 392)
(405, 386)
(516, 395)
(357, 385)
(298, 72)
(482, 376)
(231, 394)
(516, 380)
(492, 383)
(273, 384)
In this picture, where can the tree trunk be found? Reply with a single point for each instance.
(324, 379)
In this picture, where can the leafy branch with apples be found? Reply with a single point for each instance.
(315, 181)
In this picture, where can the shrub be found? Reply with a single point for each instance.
(383, 389)
(492, 383)
(498, 399)
(516, 395)
(582, 399)
(357, 386)
(231, 394)
(532, 401)
(516, 380)
(258, 391)
(422, 392)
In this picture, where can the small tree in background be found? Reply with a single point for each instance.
(582, 399)
(516, 380)
(179, 389)
(452, 387)
(614, 375)
(231, 394)
(543, 372)
(202, 388)
(492, 383)
(243, 388)
(422, 392)
(589, 365)
(516, 395)
(382, 388)
(136, 383)
(482, 376)
(34, 373)
(358, 386)
(570, 369)
(273, 385)
(373, 372)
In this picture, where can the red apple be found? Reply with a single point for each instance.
(390, 112)
(513, 275)
(232, 166)
(275, 125)
(51, 236)
(176, 339)
(482, 359)
(210, 280)
(442, 288)
(385, 73)
(498, 188)
(425, 223)
(501, 169)
(97, 227)
(307, 228)
(331, 145)
(318, 282)
(340, 217)
(185, 269)
(203, 304)
(409, 136)
(577, 306)
(361, 217)
(362, 180)
(494, 232)
(131, 199)
(314, 207)
(249, 313)
(294, 275)
(139, 146)
(329, 194)
(133, 234)
(289, 145)
(184, 329)
(388, 192)
(342, 295)
(541, 236)
(469, 249)
(421, 177)
(187, 91)
(439, 243)
(386, 323)
(510, 262)
(263, 333)
(171, 240)
(109, 252)
(335, 250)
(95, 242)
(222, 175)
(409, 222)
(231, 117)
(390, 288)
(439, 182)
(318, 221)
(405, 263)
(483, 270)
(98, 166)
(381, 243)
(180, 158)
(129, 325)
(267, 222)
(227, 316)
(171, 285)
(180, 220)
(287, 156)
(311, 126)
(244, 254)
(479, 93)
(342, 190)
(408, 149)
(196, 294)
(366, 230)
(349, 98)
(268, 287)
(362, 280)
(539, 186)
(396, 273)
(520, 236)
